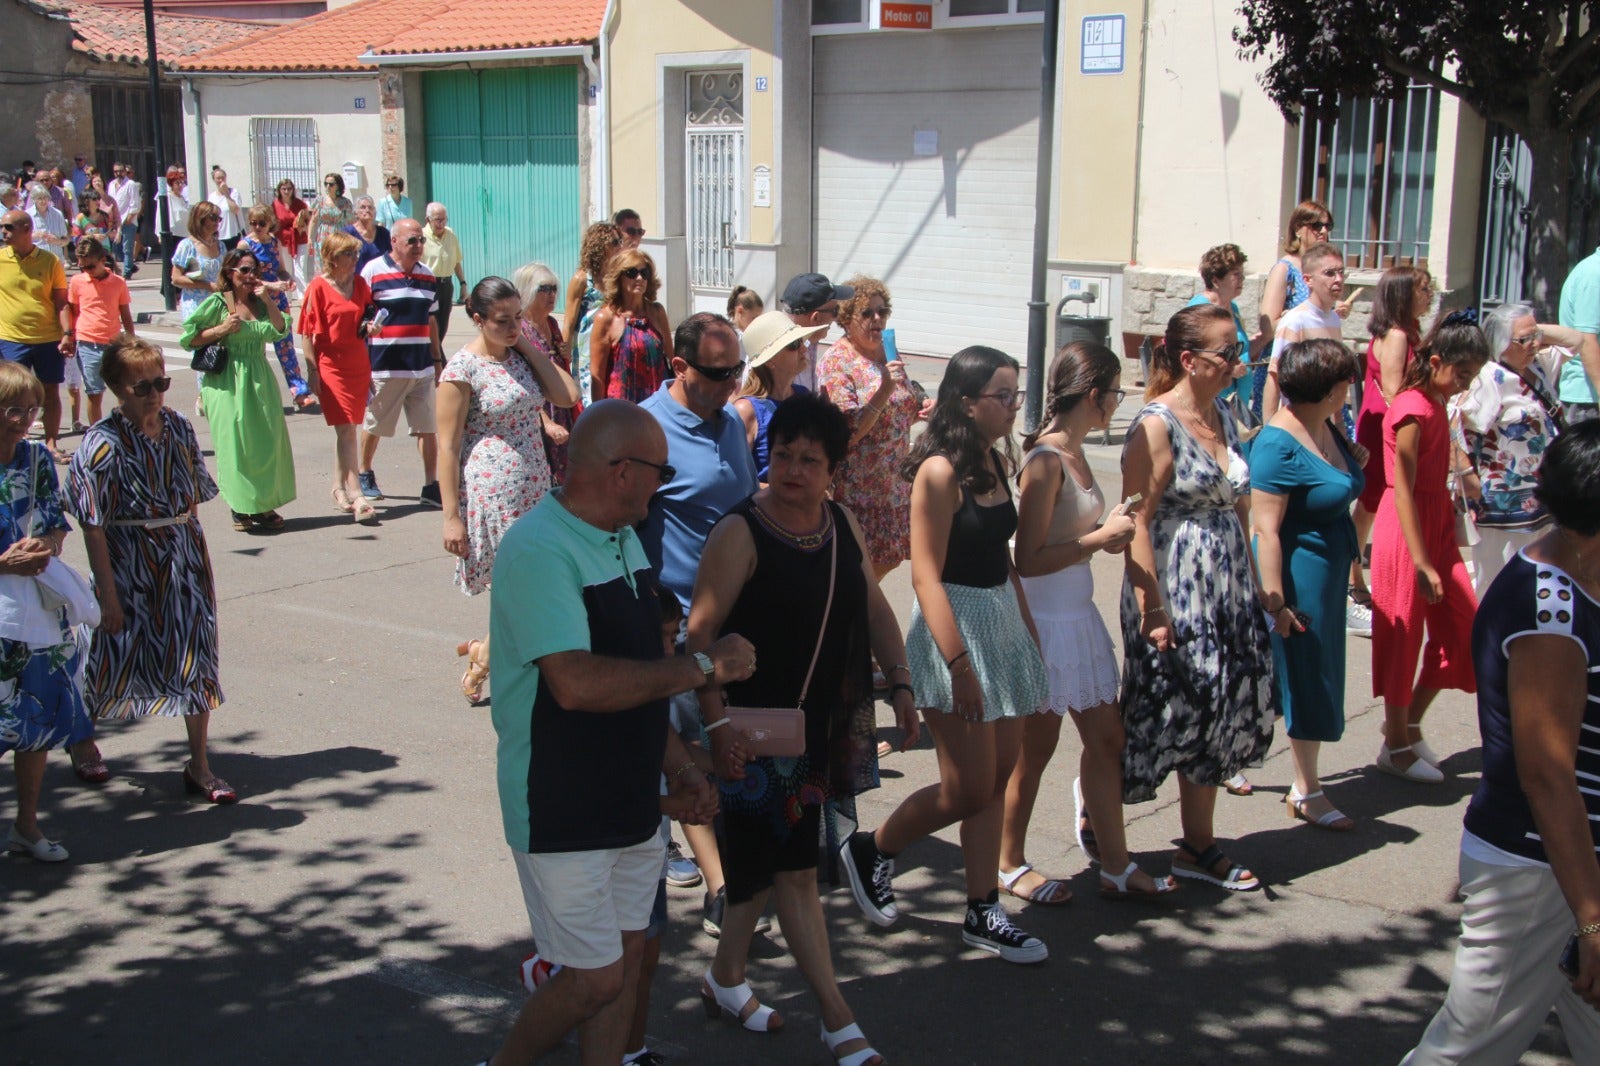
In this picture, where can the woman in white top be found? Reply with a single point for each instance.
(1058, 529)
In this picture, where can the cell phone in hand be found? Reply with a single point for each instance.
(1568, 963)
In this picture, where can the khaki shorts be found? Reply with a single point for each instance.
(389, 395)
(581, 902)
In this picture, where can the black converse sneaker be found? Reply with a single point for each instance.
(989, 928)
(871, 877)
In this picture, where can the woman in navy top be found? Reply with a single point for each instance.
(1529, 874)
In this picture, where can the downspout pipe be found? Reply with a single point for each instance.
(603, 147)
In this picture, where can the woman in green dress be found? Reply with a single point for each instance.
(255, 469)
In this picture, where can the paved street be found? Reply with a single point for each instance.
(359, 905)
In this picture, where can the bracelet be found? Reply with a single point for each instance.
(948, 663)
(718, 724)
(1588, 930)
(1154, 610)
(685, 768)
(901, 686)
(900, 666)
(964, 673)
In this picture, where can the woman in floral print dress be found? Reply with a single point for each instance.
(492, 464)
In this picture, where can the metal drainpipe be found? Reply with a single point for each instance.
(197, 128)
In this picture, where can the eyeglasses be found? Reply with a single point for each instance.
(244, 269)
(1529, 339)
(142, 388)
(633, 231)
(1332, 272)
(716, 373)
(1004, 397)
(665, 471)
(877, 312)
(1118, 395)
(635, 273)
(414, 241)
(1231, 354)
(21, 414)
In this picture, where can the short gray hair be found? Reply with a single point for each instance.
(434, 205)
(365, 200)
(529, 277)
(1497, 325)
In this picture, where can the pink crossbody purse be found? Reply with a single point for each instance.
(780, 732)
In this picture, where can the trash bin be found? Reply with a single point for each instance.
(1069, 328)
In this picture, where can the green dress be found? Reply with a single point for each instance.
(255, 469)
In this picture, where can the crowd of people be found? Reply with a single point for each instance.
(728, 488)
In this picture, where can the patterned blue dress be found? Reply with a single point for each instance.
(1298, 292)
(40, 704)
(266, 253)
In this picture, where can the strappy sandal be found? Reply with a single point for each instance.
(363, 511)
(1116, 886)
(243, 523)
(1204, 867)
(341, 501)
(740, 1004)
(477, 671)
(1239, 785)
(867, 1056)
(271, 521)
(1333, 818)
(1051, 892)
(1080, 818)
(93, 770)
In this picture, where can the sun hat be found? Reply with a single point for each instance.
(771, 333)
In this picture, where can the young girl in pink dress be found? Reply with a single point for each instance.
(1418, 577)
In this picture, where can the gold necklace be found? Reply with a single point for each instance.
(1214, 435)
(804, 541)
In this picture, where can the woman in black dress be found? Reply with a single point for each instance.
(780, 568)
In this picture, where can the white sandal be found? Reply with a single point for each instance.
(1421, 771)
(844, 1036)
(1333, 818)
(1115, 886)
(1419, 747)
(732, 1001)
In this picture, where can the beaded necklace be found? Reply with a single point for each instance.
(806, 542)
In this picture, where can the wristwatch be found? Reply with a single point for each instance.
(703, 661)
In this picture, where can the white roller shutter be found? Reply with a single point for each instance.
(950, 234)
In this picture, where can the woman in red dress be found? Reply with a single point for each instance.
(333, 321)
(290, 214)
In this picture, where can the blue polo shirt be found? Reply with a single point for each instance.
(714, 472)
(1580, 310)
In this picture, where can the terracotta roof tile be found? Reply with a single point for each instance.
(335, 40)
(117, 34)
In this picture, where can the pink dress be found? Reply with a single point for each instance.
(504, 471)
(1399, 610)
(868, 481)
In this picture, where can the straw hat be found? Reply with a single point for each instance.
(771, 333)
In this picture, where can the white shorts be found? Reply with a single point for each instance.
(581, 902)
(389, 395)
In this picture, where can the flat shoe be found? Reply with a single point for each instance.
(42, 850)
(215, 791)
(1051, 892)
(1333, 818)
(1116, 886)
(243, 523)
(1203, 868)
(271, 521)
(1420, 772)
(91, 771)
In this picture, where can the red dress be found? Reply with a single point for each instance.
(638, 361)
(1369, 425)
(285, 214)
(344, 370)
(1399, 610)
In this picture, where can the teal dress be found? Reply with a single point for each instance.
(1319, 544)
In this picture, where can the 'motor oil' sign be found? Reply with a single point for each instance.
(895, 16)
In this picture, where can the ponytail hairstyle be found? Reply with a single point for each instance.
(1456, 340)
(1079, 368)
(1186, 331)
(1394, 305)
(491, 290)
(746, 298)
(952, 434)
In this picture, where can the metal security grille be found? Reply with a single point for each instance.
(283, 148)
(1503, 261)
(1373, 166)
(715, 153)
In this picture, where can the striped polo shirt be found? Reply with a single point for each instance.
(1529, 598)
(402, 349)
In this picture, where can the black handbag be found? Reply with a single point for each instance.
(211, 358)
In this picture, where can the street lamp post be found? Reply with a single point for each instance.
(160, 214)
(1037, 323)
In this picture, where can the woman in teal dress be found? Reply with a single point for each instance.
(1303, 480)
(255, 468)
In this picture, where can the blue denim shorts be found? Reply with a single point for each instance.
(90, 356)
(45, 360)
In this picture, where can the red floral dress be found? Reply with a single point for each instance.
(638, 361)
(504, 471)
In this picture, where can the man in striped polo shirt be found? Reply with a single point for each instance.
(406, 358)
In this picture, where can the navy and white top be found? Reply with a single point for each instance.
(402, 348)
(1528, 598)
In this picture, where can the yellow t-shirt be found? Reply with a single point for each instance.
(27, 310)
(441, 254)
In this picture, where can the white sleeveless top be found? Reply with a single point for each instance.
(1078, 510)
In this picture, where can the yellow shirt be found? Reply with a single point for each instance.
(441, 254)
(27, 310)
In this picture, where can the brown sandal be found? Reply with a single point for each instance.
(477, 673)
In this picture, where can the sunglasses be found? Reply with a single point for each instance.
(549, 290)
(1529, 338)
(635, 273)
(633, 231)
(716, 373)
(1320, 227)
(330, 185)
(412, 242)
(1231, 354)
(877, 312)
(21, 414)
(245, 270)
(391, 185)
(665, 471)
(142, 388)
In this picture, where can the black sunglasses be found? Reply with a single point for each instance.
(1231, 354)
(413, 241)
(633, 273)
(665, 471)
(142, 388)
(715, 373)
(633, 231)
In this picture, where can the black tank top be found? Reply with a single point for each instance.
(979, 554)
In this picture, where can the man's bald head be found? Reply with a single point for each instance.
(18, 230)
(612, 429)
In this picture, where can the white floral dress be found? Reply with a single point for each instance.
(504, 470)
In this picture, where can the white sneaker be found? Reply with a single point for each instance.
(1357, 619)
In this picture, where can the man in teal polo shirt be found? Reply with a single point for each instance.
(1580, 310)
(580, 709)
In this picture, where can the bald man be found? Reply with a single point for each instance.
(36, 322)
(580, 706)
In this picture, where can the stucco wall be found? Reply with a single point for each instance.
(44, 115)
(343, 132)
(1097, 146)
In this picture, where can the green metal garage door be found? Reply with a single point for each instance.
(502, 150)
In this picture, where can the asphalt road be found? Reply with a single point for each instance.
(359, 904)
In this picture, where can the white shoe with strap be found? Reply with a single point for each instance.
(1420, 771)
(843, 1036)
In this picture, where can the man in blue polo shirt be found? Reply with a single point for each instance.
(580, 709)
(1580, 310)
(406, 358)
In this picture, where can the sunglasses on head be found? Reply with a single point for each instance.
(715, 373)
(142, 388)
(665, 471)
(635, 273)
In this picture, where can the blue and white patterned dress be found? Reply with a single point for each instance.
(266, 253)
(40, 704)
(1205, 708)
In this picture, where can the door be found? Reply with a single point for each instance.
(714, 158)
(502, 148)
(924, 147)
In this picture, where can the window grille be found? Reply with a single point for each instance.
(284, 148)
